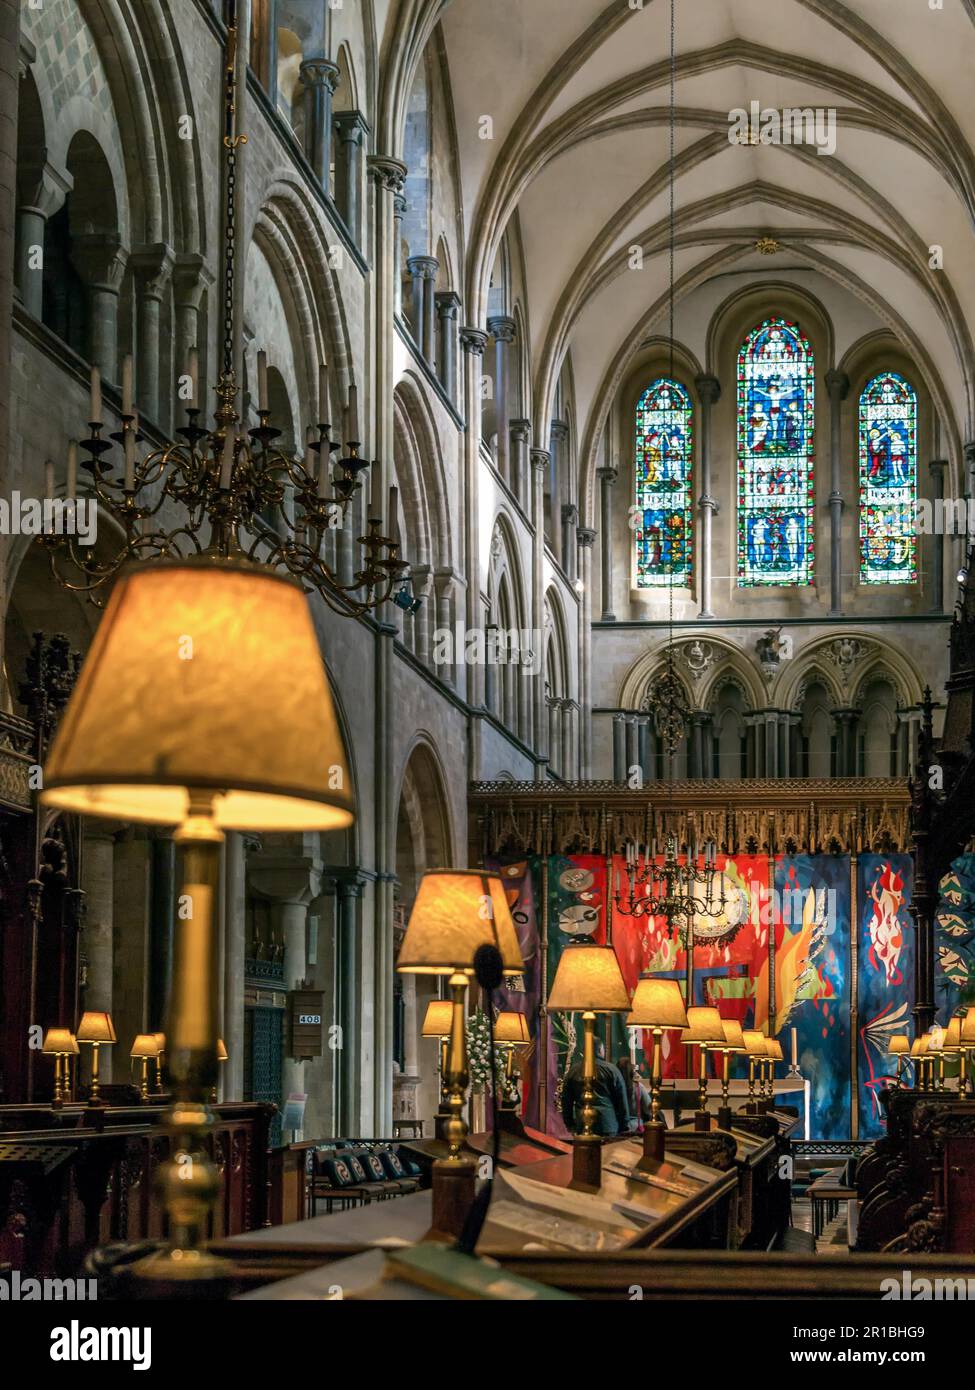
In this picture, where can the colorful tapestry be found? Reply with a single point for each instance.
(885, 975)
(954, 939)
(525, 995)
(888, 481)
(663, 486)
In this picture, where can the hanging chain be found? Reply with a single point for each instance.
(231, 140)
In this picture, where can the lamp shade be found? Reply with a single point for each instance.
(919, 1046)
(774, 1049)
(160, 1042)
(589, 980)
(703, 1026)
(734, 1039)
(208, 676)
(437, 1019)
(144, 1046)
(456, 911)
(754, 1042)
(96, 1028)
(900, 1045)
(222, 1055)
(968, 1028)
(657, 1004)
(935, 1038)
(511, 1027)
(60, 1041)
(952, 1036)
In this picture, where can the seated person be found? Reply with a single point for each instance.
(611, 1101)
(637, 1092)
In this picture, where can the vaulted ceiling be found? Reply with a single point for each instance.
(579, 95)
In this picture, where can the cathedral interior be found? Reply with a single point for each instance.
(529, 821)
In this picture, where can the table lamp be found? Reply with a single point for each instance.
(436, 1024)
(918, 1049)
(161, 1045)
(754, 1040)
(510, 1032)
(222, 1056)
(144, 1047)
(60, 1044)
(98, 1030)
(202, 703)
(657, 1004)
(457, 911)
(704, 1031)
(734, 1041)
(774, 1050)
(935, 1056)
(900, 1048)
(588, 980)
(967, 1047)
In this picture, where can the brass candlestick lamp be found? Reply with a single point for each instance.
(203, 703)
(657, 1005)
(60, 1044)
(734, 1042)
(510, 1032)
(98, 1030)
(455, 912)
(754, 1040)
(160, 1055)
(967, 1047)
(436, 1024)
(935, 1054)
(588, 980)
(144, 1048)
(919, 1048)
(704, 1031)
(774, 1053)
(899, 1047)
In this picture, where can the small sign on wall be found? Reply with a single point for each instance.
(305, 1023)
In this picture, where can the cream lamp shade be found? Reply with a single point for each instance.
(919, 1046)
(703, 1026)
(657, 1004)
(774, 1049)
(951, 1042)
(144, 1046)
(96, 1028)
(755, 1041)
(511, 1027)
(222, 1055)
(456, 911)
(160, 1041)
(899, 1045)
(60, 1041)
(968, 1028)
(734, 1039)
(589, 980)
(437, 1019)
(203, 675)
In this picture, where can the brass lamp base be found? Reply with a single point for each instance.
(587, 1162)
(453, 1196)
(654, 1139)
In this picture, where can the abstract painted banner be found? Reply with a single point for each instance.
(885, 986)
(954, 938)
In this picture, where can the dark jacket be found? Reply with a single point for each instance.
(611, 1102)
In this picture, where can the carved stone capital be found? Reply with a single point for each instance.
(424, 266)
(541, 458)
(448, 304)
(837, 384)
(190, 278)
(586, 537)
(473, 340)
(386, 172)
(502, 328)
(570, 513)
(153, 266)
(100, 259)
(521, 430)
(607, 476)
(350, 126)
(708, 389)
(319, 72)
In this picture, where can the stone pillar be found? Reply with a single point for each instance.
(846, 749)
(190, 279)
(619, 747)
(607, 477)
(98, 883)
(586, 538)
(473, 341)
(319, 78)
(235, 946)
(448, 311)
(153, 266)
(937, 469)
(399, 212)
(445, 585)
(838, 385)
(570, 519)
(502, 330)
(41, 191)
(162, 924)
(348, 887)
(424, 272)
(100, 260)
(559, 435)
(632, 743)
(709, 391)
(519, 435)
(351, 129)
(697, 746)
(540, 467)
(569, 740)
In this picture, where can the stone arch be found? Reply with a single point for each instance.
(426, 484)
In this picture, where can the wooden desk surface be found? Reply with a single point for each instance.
(400, 1221)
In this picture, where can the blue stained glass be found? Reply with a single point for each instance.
(776, 427)
(888, 481)
(663, 533)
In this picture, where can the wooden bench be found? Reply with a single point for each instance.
(826, 1194)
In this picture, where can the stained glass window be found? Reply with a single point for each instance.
(776, 393)
(888, 481)
(663, 486)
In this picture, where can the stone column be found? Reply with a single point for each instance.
(697, 746)
(568, 709)
(351, 129)
(235, 947)
(586, 538)
(473, 342)
(970, 470)
(619, 747)
(846, 750)
(162, 924)
(399, 212)
(570, 519)
(153, 266)
(519, 435)
(319, 77)
(838, 386)
(190, 279)
(348, 887)
(98, 882)
(502, 329)
(709, 391)
(559, 435)
(554, 735)
(100, 260)
(540, 467)
(937, 469)
(448, 311)
(41, 191)
(424, 272)
(607, 477)
(632, 743)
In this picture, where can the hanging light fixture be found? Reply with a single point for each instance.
(220, 483)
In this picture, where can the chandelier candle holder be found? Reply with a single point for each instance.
(672, 886)
(221, 488)
(705, 1032)
(657, 1005)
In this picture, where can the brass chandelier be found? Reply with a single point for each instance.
(239, 493)
(674, 890)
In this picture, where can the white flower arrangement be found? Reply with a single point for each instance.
(479, 1053)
